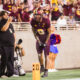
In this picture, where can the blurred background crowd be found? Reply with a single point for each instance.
(57, 11)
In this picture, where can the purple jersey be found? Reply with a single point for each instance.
(46, 12)
(77, 13)
(15, 16)
(7, 7)
(41, 28)
(67, 9)
(25, 17)
(55, 15)
(20, 11)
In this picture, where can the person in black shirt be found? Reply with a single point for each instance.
(7, 41)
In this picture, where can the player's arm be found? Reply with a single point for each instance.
(34, 32)
(49, 31)
(48, 37)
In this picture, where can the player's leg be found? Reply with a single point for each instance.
(46, 52)
(40, 56)
(46, 66)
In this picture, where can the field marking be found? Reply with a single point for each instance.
(71, 79)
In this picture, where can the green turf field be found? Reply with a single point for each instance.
(60, 75)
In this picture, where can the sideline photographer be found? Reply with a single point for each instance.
(20, 48)
(18, 70)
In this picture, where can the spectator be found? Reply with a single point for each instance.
(47, 1)
(55, 13)
(71, 21)
(14, 13)
(30, 4)
(67, 8)
(7, 5)
(11, 1)
(46, 11)
(61, 22)
(78, 2)
(77, 13)
(25, 17)
(60, 6)
(37, 6)
(75, 3)
(17, 3)
(20, 12)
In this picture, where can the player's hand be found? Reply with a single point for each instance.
(44, 45)
(10, 19)
(40, 43)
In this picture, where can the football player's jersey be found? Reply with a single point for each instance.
(41, 28)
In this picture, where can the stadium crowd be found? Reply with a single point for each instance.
(22, 10)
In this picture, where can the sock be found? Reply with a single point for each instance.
(42, 66)
(46, 69)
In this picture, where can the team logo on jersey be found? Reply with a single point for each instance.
(35, 25)
(47, 12)
(40, 31)
(43, 25)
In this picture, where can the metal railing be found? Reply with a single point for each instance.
(21, 26)
(25, 26)
(69, 26)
